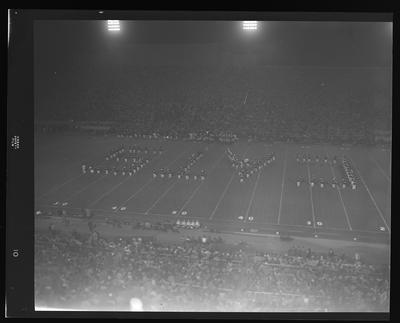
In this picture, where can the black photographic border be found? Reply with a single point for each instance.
(19, 252)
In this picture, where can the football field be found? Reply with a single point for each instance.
(270, 201)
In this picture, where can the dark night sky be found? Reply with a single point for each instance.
(72, 55)
(60, 44)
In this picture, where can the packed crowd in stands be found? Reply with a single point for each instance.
(199, 274)
(343, 106)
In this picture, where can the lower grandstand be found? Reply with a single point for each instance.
(77, 270)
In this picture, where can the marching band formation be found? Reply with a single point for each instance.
(245, 167)
(130, 162)
(308, 158)
(184, 171)
(348, 179)
(348, 170)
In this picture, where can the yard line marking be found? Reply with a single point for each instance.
(245, 99)
(148, 182)
(370, 195)
(85, 188)
(222, 196)
(389, 194)
(282, 187)
(252, 195)
(119, 184)
(340, 195)
(198, 187)
(57, 187)
(161, 196)
(226, 189)
(108, 192)
(311, 195)
(380, 168)
(90, 182)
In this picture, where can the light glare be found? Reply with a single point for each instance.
(249, 25)
(113, 25)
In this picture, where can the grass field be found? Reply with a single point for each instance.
(269, 201)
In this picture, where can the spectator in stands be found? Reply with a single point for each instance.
(194, 274)
(284, 105)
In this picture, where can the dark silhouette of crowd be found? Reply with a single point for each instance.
(295, 104)
(199, 274)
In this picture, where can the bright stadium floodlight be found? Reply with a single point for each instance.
(249, 25)
(113, 25)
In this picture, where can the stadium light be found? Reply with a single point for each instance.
(250, 25)
(113, 25)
